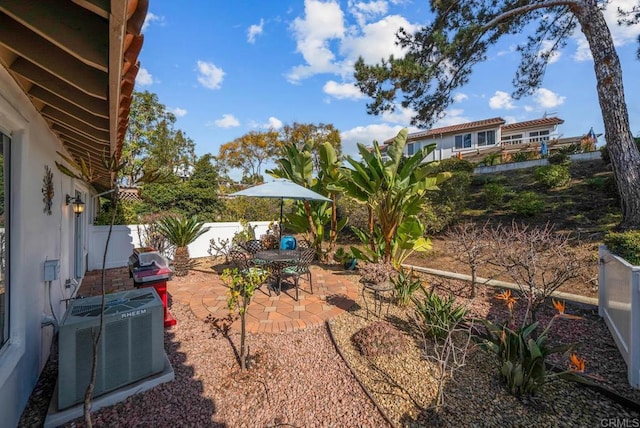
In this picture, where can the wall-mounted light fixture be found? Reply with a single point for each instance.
(78, 205)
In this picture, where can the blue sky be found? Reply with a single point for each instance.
(226, 68)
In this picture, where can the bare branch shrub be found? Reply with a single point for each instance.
(469, 244)
(219, 248)
(538, 259)
(150, 235)
(448, 351)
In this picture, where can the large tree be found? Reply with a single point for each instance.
(250, 152)
(151, 142)
(316, 135)
(440, 57)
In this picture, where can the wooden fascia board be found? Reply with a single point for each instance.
(117, 32)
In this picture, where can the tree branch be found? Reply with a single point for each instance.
(524, 9)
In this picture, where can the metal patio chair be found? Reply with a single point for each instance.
(300, 269)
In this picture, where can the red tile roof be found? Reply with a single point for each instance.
(545, 121)
(436, 132)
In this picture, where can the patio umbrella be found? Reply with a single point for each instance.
(281, 189)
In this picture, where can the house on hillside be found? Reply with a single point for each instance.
(67, 72)
(475, 140)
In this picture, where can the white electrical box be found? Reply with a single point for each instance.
(51, 270)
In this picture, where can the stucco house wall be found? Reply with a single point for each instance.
(35, 237)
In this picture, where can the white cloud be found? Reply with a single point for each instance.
(322, 22)
(227, 121)
(272, 123)
(365, 11)
(511, 49)
(528, 109)
(547, 99)
(366, 135)
(209, 75)
(546, 46)
(501, 100)
(401, 116)
(254, 31)
(459, 97)
(451, 117)
(583, 52)
(179, 112)
(376, 40)
(144, 78)
(342, 90)
(152, 18)
(510, 119)
(275, 123)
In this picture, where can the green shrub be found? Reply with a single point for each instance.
(447, 204)
(522, 156)
(559, 158)
(552, 176)
(455, 165)
(405, 285)
(527, 204)
(379, 338)
(598, 183)
(492, 159)
(625, 245)
(127, 213)
(437, 315)
(484, 179)
(493, 194)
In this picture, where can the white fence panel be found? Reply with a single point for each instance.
(125, 238)
(619, 305)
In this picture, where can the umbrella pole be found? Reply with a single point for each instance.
(280, 224)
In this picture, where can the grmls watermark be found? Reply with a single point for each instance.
(620, 423)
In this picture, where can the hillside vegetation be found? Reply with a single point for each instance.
(586, 206)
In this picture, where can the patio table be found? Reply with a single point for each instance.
(276, 261)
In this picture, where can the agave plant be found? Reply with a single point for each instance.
(181, 232)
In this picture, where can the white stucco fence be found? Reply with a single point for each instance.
(125, 238)
(619, 305)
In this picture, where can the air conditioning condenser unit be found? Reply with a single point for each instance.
(131, 347)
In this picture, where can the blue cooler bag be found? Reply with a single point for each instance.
(288, 243)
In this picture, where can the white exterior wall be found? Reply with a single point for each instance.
(35, 237)
(445, 144)
(125, 238)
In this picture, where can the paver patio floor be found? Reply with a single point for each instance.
(333, 293)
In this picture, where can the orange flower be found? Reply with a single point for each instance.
(560, 306)
(508, 300)
(577, 364)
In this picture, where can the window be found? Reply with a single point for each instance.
(463, 141)
(535, 136)
(486, 138)
(4, 238)
(410, 149)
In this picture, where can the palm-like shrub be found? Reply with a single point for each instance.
(181, 232)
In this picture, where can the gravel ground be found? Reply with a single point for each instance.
(404, 386)
(298, 379)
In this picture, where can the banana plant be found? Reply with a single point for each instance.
(313, 218)
(393, 189)
(297, 165)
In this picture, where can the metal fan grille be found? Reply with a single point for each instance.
(113, 306)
